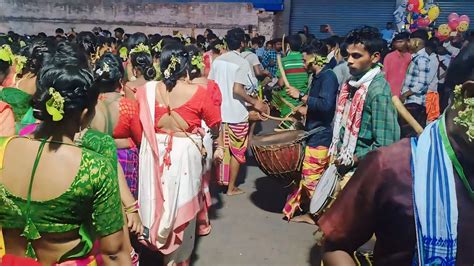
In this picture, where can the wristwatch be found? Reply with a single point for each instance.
(300, 97)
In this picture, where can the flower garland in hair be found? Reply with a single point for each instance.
(172, 66)
(140, 48)
(20, 62)
(105, 68)
(158, 47)
(198, 61)
(188, 41)
(123, 52)
(465, 118)
(55, 105)
(321, 60)
(6, 54)
(222, 46)
(318, 60)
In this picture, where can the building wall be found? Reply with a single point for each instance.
(33, 16)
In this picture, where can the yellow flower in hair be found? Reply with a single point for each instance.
(172, 66)
(20, 62)
(222, 46)
(140, 48)
(6, 53)
(55, 105)
(321, 60)
(198, 61)
(465, 117)
(157, 47)
(123, 53)
(104, 69)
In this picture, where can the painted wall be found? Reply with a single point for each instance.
(33, 16)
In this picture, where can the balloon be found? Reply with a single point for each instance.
(453, 24)
(421, 4)
(453, 16)
(464, 18)
(463, 26)
(440, 37)
(413, 5)
(444, 30)
(423, 22)
(433, 13)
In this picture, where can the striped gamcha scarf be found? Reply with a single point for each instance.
(434, 195)
(354, 119)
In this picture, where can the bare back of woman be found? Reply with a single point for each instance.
(27, 84)
(131, 87)
(107, 113)
(15, 177)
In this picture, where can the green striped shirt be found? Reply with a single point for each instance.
(297, 76)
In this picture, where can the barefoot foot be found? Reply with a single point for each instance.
(236, 191)
(305, 218)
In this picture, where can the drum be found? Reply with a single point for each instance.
(329, 185)
(326, 191)
(279, 154)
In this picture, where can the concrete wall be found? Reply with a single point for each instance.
(33, 16)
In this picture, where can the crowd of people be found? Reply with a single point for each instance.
(143, 124)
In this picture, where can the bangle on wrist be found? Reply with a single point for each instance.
(132, 208)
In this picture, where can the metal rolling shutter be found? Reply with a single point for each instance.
(342, 15)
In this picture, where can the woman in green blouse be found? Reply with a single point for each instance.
(56, 197)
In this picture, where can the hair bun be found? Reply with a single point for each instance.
(150, 73)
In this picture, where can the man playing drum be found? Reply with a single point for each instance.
(293, 65)
(230, 71)
(321, 104)
(415, 195)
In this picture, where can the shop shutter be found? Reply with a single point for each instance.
(342, 15)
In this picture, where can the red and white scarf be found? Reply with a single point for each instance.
(352, 125)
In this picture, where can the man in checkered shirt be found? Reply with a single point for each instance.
(416, 82)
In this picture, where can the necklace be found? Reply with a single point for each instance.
(454, 160)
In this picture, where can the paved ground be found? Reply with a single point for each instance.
(249, 229)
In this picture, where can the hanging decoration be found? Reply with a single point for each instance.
(456, 24)
(412, 15)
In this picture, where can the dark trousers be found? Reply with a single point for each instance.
(444, 94)
(419, 113)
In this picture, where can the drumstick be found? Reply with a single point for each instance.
(406, 115)
(282, 71)
(277, 118)
(283, 45)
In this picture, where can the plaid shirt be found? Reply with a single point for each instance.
(418, 78)
(379, 126)
(269, 61)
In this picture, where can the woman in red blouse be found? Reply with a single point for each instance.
(172, 155)
(197, 76)
(118, 117)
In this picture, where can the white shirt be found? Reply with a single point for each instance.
(446, 60)
(253, 60)
(226, 70)
(451, 49)
(433, 74)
